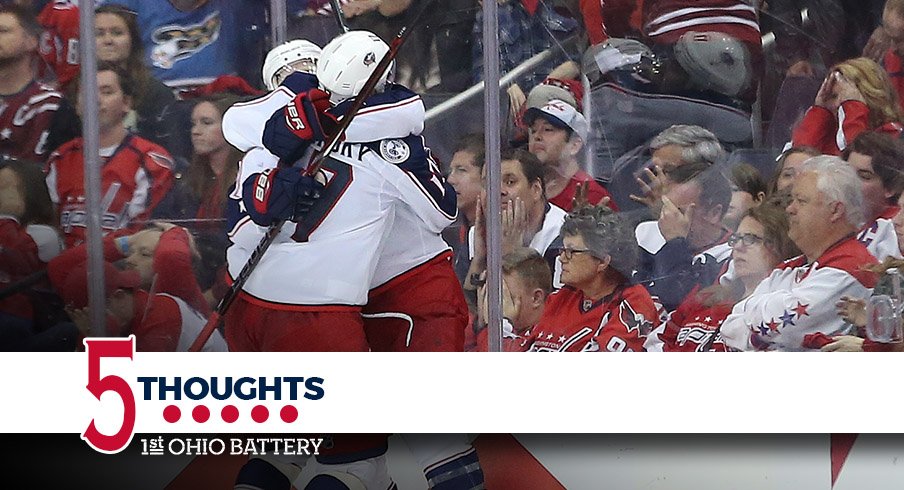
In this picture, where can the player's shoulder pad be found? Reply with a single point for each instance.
(392, 94)
(407, 153)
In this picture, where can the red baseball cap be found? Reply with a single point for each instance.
(74, 287)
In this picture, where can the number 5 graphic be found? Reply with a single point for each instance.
(98, 349)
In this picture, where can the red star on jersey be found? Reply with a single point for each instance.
(801, 310)
(773, 325)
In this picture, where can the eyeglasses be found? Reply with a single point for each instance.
(568, 253)
(748, 239)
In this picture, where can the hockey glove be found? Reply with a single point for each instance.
(279, 194)
(290, 130)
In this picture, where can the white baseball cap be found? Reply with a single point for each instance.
(560, 114)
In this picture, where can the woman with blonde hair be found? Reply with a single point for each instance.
(856, 96)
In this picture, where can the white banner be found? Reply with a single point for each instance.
(453, 392)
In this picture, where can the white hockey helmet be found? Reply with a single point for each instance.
(295, 55)
(348, 61)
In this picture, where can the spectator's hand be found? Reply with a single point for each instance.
(673, 223)
(514, 225)
(802, 68)
(580, 196)
(879, 42)
(81, 317)
(852, 310)
(516, 100)
(826, 96)
(844, 343)
(653, 190)
(845, 90)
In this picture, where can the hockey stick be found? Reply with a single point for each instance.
(366, 91)
(340, 15)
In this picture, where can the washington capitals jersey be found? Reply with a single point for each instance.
(879, 237)
(59, 41)
(666, 20)
(188, 48)
(693, 327)
(620, 322)
(798, 299)
(134, 179)
(25, 121)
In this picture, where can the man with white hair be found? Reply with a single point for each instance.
(794, 308)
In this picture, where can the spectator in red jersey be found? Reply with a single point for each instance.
(136, 173)
(598, 309)
(556, 136)
(36, 118)
(526, 283)
(747, 191)
(155, 297)
(760, 244)
(787, 165)
(856, 96)
(59, 41)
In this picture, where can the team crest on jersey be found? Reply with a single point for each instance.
(632, 320)
(173, 43)
(369, 58)
(394, 151)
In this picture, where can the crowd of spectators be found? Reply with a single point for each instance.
(714, 175)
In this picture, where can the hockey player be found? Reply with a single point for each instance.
(414, 257)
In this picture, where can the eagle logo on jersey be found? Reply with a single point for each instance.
(173, 43)
(394, 151)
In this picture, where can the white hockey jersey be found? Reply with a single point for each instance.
(798, 300)
(381, 174)
(879, 235)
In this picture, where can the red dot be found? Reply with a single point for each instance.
(289, 414)
(230, 414)
(201, 414)
(259, 414)
(171, 414)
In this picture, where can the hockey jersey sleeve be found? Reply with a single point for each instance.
(780, 313)
(419, 181)
(832, 133)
